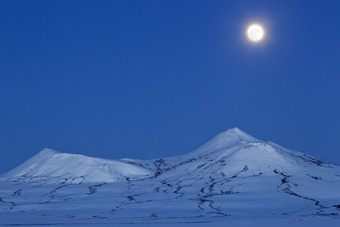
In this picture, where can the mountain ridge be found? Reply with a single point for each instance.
(233, 176)
(231, 146)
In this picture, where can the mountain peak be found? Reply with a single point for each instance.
(47, 152)
(238, 134)
(235, 131)
(229, 138)
(74, 168)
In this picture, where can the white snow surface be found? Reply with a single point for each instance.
(233, 179)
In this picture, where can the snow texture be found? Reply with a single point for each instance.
(233, 179)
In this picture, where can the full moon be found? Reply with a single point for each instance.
(255, 32)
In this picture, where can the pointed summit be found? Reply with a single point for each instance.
(229, 138)
(238, 134)
(46, 152)
(235, 130)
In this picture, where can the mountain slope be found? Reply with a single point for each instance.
(234, 176)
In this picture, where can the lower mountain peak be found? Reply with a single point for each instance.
(52, 166)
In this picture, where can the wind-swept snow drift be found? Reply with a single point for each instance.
(234, 176)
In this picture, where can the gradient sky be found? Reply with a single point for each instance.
(149, 79)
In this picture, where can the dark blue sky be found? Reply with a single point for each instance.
(147, 79)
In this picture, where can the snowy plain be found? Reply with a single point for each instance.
(232, 180)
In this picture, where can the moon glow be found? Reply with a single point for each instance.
(255, 33)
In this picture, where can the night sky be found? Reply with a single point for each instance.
(149, 79)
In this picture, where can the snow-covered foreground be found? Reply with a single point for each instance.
(233, 179)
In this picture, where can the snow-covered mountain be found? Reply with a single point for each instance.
(232, 177)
